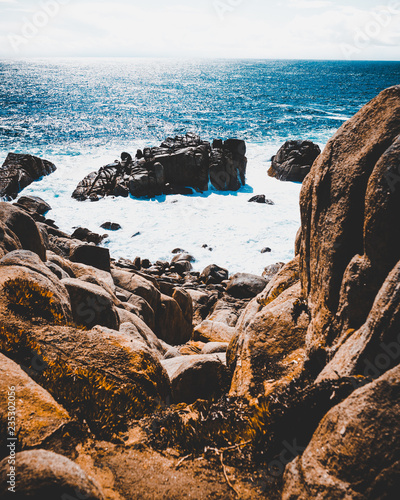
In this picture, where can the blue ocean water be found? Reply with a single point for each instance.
(81, 113)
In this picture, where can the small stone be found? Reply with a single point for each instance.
(111, 226)
(178, 250)
(261, 198)
(266, 250)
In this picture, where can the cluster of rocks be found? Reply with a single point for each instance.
(294, 160)
(178, 166)
(317, 338)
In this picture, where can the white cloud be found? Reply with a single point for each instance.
(254, 28)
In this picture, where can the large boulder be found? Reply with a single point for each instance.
(269, 345)
(105, 376)
(30, 289)
(203, 302)
(41, 474)
(355, 451)
(171, 324)
(245, 286)
(213, 331)
(137, 285)
(197, 377)
(294, 160)
(19, 231)
(33, 204)
(29, 399)
(91, 255)
(214, 275)
(19, 170)
(350, 238)
(91, 304)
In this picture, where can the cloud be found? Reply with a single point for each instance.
(252, 29)
(310, 4)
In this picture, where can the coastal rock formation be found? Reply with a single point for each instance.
(42, 474)
(355, 451)
(176, 167)
(294, 160)
(350, 238)
(18, 171)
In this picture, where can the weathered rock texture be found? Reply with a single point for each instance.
(355, 451)
(38, 416)
(350, 237)
(294, 160)
(178, 164)
(18, 171)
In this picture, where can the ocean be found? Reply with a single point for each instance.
(82, 113)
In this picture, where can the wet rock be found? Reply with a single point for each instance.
(294, 160)
(228, 166)
(19, 170)
(84, 234)
(261, 198)
(178, 166)
(111, 226)
(33, 204)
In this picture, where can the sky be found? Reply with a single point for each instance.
(260, 29)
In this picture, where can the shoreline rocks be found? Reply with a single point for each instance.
(178, 166)
(20, 170)
(294, 160)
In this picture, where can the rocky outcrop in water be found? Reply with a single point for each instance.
(178, 166)
(18, 171)
(294, 160)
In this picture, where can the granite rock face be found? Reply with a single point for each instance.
(19, 170)
(177, 166)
